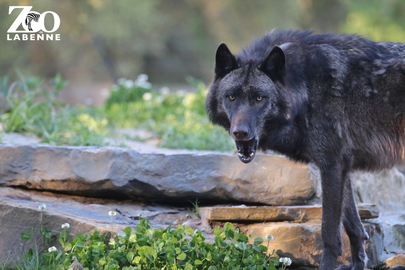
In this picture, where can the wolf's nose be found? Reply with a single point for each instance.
(240, 133)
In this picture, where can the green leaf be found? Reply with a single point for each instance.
(25, 236)
(189, 231)
(241, 245)
(128, 230)
(67, 247)
(80, 244)
(64, 235)
(228, 226)
(258, 241)
(132, 238)
(182, 256)
(130, 256)
(209, 256)
(217, 231)
(136, 260)
(102, 261)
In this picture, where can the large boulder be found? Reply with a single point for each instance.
(112, 172)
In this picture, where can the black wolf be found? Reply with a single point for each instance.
(337, 101)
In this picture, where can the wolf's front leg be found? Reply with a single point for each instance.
(333, 177)
(354, 229)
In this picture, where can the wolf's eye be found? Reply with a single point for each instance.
(259, 98)
(231, 97)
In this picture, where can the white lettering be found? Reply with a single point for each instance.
(56, 21)
(39, 23)
(20, 19)
(33, 37)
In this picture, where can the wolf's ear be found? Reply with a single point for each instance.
(274, 64)
(225, 61)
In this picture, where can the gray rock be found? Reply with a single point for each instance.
(385, 188)
(393, 226)
(111, 172)
(20, 212)
(174, 177)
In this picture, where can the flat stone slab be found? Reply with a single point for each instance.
(305, 213)
(112, 172)
(397, 260)
(20, 211)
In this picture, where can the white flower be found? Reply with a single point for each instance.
(286, 261)
(121, 81)
(112, 213)
(129, 84)
(142, 78)
(142, 81)
(165, 91)
(52, 249)
(42, 207)
(147, 96)
(269, 237)
(65, 226)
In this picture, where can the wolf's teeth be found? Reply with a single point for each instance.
(240, 154)
(251, 154)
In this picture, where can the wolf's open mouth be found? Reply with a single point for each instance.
(246, 150)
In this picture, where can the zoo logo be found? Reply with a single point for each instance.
(32, 22)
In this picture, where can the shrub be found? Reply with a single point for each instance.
(147, 248)
(178, 118)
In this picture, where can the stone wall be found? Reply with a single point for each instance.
(81, 183)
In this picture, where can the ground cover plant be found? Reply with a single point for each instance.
(177, 119)
(29, 106)
(146, 248)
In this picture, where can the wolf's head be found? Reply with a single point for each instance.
(245, 94)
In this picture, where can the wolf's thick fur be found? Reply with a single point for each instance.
(334, 100)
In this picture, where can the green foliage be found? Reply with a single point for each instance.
(376, 20)
(127, 91)
(31, 107)
(147, 248)
(178, 118)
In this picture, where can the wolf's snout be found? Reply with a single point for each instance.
(240, 133)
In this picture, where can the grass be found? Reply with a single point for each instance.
(177, 119)
(30, 107)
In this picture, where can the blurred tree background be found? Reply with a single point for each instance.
(103, 40)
